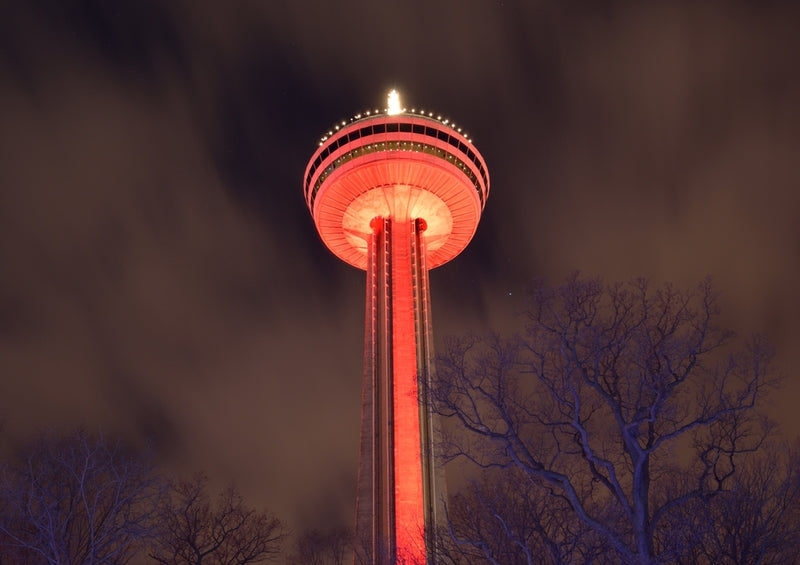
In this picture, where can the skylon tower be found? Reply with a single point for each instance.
(396, 193)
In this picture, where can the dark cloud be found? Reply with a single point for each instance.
(162, 277)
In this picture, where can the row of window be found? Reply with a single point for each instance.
(396, 128)
(397, 146)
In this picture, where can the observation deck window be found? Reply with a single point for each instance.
(365, 131)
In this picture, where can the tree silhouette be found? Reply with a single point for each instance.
(315, 547)
(597, 398)
(225, 531)
(75, 499)
(755, 518)
(504, 517)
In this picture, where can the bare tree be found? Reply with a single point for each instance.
(754, 518)
(77, 499)
(598, 394)
(315, 547)
(509, 518)
(226, 531)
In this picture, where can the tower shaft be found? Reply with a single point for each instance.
(400, 490)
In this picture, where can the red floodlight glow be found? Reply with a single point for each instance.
(397, 194)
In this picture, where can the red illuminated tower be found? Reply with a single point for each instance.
(396, 193)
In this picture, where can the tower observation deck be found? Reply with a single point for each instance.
(397, 193)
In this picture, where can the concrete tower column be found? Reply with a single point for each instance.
(400, 492)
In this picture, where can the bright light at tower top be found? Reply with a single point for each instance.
(394, 103)
(393, 108)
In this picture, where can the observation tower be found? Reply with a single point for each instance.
(396, 193)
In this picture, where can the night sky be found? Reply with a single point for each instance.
(161, 277)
